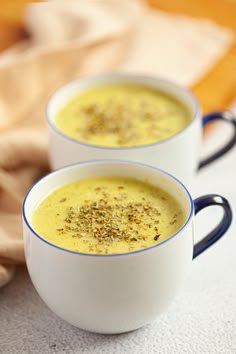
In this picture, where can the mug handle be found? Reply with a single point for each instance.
(228, 117)
(204, 202)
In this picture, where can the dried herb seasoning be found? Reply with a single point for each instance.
(106, 223)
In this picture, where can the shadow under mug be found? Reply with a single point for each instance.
(178, 155)
(114, 293)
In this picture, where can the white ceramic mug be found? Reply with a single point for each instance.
(178, 154)
(107, 293)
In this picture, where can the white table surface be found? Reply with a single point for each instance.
(202, 318)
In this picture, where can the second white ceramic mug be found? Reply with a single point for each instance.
(178, 154)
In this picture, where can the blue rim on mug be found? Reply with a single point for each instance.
(226, 116)
(195, 206)
(128, 77)
(188, 218)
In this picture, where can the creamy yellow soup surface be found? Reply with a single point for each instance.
(122, 115)
(107, 215)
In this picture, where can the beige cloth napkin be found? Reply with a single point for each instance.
(70, 39)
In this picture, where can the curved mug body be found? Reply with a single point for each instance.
(114, 293)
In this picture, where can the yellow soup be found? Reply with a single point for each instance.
(122, 115)
(107, 215)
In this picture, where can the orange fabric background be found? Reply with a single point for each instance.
(218, 89)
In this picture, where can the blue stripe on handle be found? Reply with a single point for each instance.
(229, 118)
(204, 202)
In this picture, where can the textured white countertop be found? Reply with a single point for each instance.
(202, 318)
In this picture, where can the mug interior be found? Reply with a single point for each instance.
(97, 168)
(62, 96)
